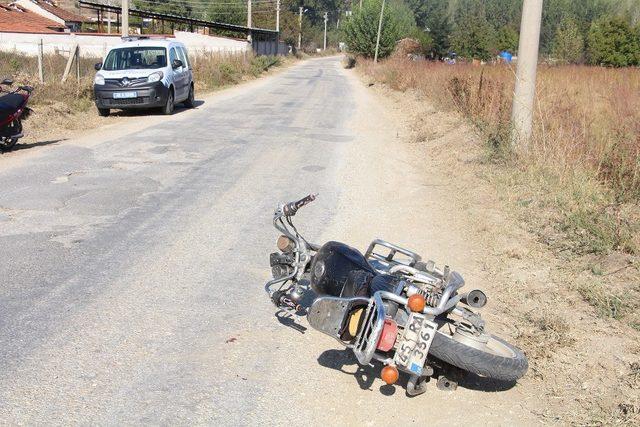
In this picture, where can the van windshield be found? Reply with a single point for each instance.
(135, 58)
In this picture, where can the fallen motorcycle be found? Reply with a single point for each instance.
(389, 306)
(13, 109)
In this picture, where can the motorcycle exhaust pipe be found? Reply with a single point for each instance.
(475, 298)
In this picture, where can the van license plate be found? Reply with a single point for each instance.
(124, 95)
(417, 339)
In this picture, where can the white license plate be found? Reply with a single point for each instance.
(124, 95)
(417, 339)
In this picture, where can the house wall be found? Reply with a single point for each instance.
(92, 45)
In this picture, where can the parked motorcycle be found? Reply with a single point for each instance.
(13, 109)
(389, 306)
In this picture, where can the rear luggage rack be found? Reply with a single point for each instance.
(366, 342)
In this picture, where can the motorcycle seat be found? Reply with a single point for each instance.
(11, 102)
(364, 283)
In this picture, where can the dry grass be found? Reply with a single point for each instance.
(575, 309)
(584, 159)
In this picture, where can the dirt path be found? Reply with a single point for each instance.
(406, 193)
(428, 188)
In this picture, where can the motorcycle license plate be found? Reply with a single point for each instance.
(124, 95)
(417, 339)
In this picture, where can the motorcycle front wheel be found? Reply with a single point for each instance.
(7, 144)
(494, 358)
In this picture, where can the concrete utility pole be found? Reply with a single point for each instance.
(525, 90)
(125, 18)
(300, 29)
(109, 19)
(375, 58)
(249, 20)
(325, 31)
(278, 16)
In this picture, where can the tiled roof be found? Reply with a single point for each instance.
(14, 19)
(61, 13)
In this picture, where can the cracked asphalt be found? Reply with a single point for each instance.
(131, 281)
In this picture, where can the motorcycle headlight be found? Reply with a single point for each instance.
(155, 77)
(99, 79)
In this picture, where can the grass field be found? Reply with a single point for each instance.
(584, 159)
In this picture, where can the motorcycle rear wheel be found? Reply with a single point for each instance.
(496, 359)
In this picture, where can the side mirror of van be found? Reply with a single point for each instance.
(98, 66)
(176, 64)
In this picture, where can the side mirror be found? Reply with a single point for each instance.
(7, 82)
(98, 66)
(176, 64)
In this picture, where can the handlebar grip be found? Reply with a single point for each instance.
(291, 208)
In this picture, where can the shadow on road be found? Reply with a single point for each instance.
(365, 375)
(338, 359)
(19, 146)
(179, 108)
(287, 319)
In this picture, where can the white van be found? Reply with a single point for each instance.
(144, 73)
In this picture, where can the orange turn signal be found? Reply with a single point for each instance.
(389, 374)
(416, 303)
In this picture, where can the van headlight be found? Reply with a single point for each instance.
(155, 77)
(99, 80)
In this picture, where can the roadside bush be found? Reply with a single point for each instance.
(612, 42)
(260, 64)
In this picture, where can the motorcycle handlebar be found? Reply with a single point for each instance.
(291, 208)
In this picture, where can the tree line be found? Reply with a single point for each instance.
(598, 32)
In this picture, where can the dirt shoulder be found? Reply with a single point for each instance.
(423, 183)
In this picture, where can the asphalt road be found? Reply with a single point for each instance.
(134, 258)
(131, 281)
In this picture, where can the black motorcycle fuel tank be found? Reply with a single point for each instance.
(331, 266)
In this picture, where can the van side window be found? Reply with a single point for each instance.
(184, 57)
(172, 56)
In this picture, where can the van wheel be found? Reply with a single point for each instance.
(104, 112)
(190, 102)
(167, 110)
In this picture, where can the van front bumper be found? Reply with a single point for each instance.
(148, 95)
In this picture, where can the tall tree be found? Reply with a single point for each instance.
(613, 42)
(361, 30)
(473, 36)
(568, 44)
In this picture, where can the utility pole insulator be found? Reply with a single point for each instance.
(525, 88)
